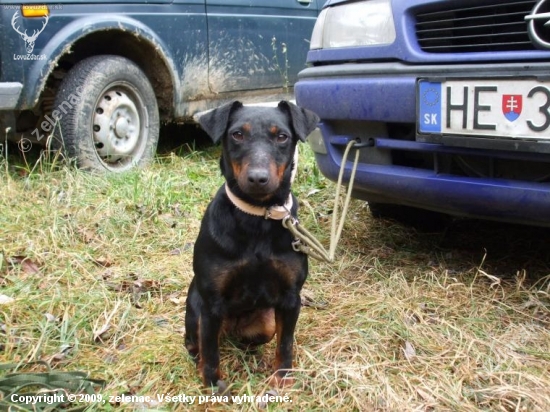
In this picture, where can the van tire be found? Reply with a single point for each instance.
(106, 115)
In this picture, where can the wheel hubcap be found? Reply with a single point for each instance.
(116, 127)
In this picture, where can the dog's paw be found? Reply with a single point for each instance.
(277, 381)
(221, 389)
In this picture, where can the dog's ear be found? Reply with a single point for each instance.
(215, 121)
(303, 120)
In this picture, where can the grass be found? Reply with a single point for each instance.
(94, 272)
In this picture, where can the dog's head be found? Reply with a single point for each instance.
(258, 147)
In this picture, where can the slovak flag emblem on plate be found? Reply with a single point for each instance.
(512, 105)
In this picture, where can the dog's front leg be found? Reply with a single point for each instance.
(192, 315)
(285, 323)
(209, 364)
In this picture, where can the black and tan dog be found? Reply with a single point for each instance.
(247, 276)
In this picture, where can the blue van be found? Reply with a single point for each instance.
(450, 101)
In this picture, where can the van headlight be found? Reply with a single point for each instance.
(361, 23)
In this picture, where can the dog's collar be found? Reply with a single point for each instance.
(273, 212)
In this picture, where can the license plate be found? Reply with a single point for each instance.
(506, 108)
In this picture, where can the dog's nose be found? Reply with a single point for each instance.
(258, 177)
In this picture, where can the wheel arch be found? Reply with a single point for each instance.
(107, 34)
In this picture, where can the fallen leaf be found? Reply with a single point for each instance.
(411, 319)
(50, 317)
(99, 334)
(308, 299)
(531, 303)
(147, 285)
(103, 261)
(4, 300)
(27, 265)
(62, 354)
(107, 274)
(119, 287)
(409, 351)
(177, 301)
(87, 235)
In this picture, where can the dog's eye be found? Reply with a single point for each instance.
(238, 136)
(282, 138)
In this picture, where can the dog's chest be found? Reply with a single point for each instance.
(251, 283)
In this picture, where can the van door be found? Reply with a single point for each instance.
(257, 44)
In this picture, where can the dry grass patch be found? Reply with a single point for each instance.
(94, 272)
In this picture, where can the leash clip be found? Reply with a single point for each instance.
(297, 245)
(290, 223)
(281, 212)
(293, 221)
